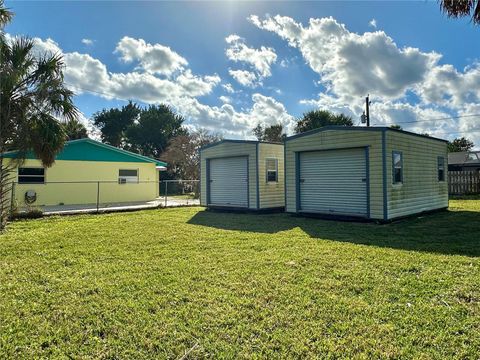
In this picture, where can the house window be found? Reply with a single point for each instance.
(441, 168)
(397, 164)
(127, 176)
(272, 170)
(31, 175)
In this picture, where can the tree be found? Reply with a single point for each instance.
(183, 154)
(258, 131)
(142, 130)
(272, 133)
(460, 8)
(156, 125)
(396, 127)
(460, 144)
(113, 123)
(315, 119)
(74, 130)
(33, 102)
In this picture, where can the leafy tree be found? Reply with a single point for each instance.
(395, 126)
(142, 130)
(315, 119)
(183, 154)
(113, 123)
(74, 130)
(460, 144)
(461, 8)
(272, 133)
(156, 125)
(258, 131)
(33, 101)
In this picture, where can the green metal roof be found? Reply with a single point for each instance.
(91, 150)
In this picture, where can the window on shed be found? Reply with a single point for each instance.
(272, 170)
(441, 168)
(127, 176)
(397, 164)
(31, 175)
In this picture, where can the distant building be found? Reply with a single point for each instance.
(464, 161)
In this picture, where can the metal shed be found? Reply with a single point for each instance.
(242, 174)
(366, 172)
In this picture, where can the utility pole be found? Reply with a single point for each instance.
(367, 109)
(365, 118)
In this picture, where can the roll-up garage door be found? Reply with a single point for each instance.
(333, 182)
(229, 181)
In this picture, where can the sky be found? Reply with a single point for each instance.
(228, 66)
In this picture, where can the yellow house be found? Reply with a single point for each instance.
(84, 172)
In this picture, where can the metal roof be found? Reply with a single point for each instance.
(90, 150)
(464, 158)
(360, 128)
(239, 142)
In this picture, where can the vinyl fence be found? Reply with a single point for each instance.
(463, 182)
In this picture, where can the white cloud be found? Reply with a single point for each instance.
(228, 88)
(87, 42)
(196, 85)
(373, 23)
(42, 47)
(179, 90)
(238, 124)
(233, 38)
(155, 58)
(244, 77)
(449, 87)
(259, 59)
(351, 65)
(225, 99)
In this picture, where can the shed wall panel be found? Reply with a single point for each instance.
(420, 190)
(271, 194)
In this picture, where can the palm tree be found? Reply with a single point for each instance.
(460, 8)
(33, 103)
(74, 130)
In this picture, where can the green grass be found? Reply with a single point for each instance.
(187, 196)
(154, 284)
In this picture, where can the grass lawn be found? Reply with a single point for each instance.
(154, 284)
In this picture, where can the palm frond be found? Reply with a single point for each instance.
(461, 8)
(5, 15)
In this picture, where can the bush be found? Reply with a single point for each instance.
(28, 214)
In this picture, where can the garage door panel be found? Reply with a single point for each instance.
(229, 181)
(333, 182)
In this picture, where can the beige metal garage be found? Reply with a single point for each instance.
(242, 174)
(366, 172)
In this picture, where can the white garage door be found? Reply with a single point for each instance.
(333, 182)
(229, 182)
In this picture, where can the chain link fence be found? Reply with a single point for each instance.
(101, 196)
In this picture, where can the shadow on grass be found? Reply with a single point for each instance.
(447, 232)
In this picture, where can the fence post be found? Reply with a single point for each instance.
(166, 192)
(98, 196)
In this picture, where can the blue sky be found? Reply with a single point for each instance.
(285, 58)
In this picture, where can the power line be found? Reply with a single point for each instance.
(474, 130)
(437, 119)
